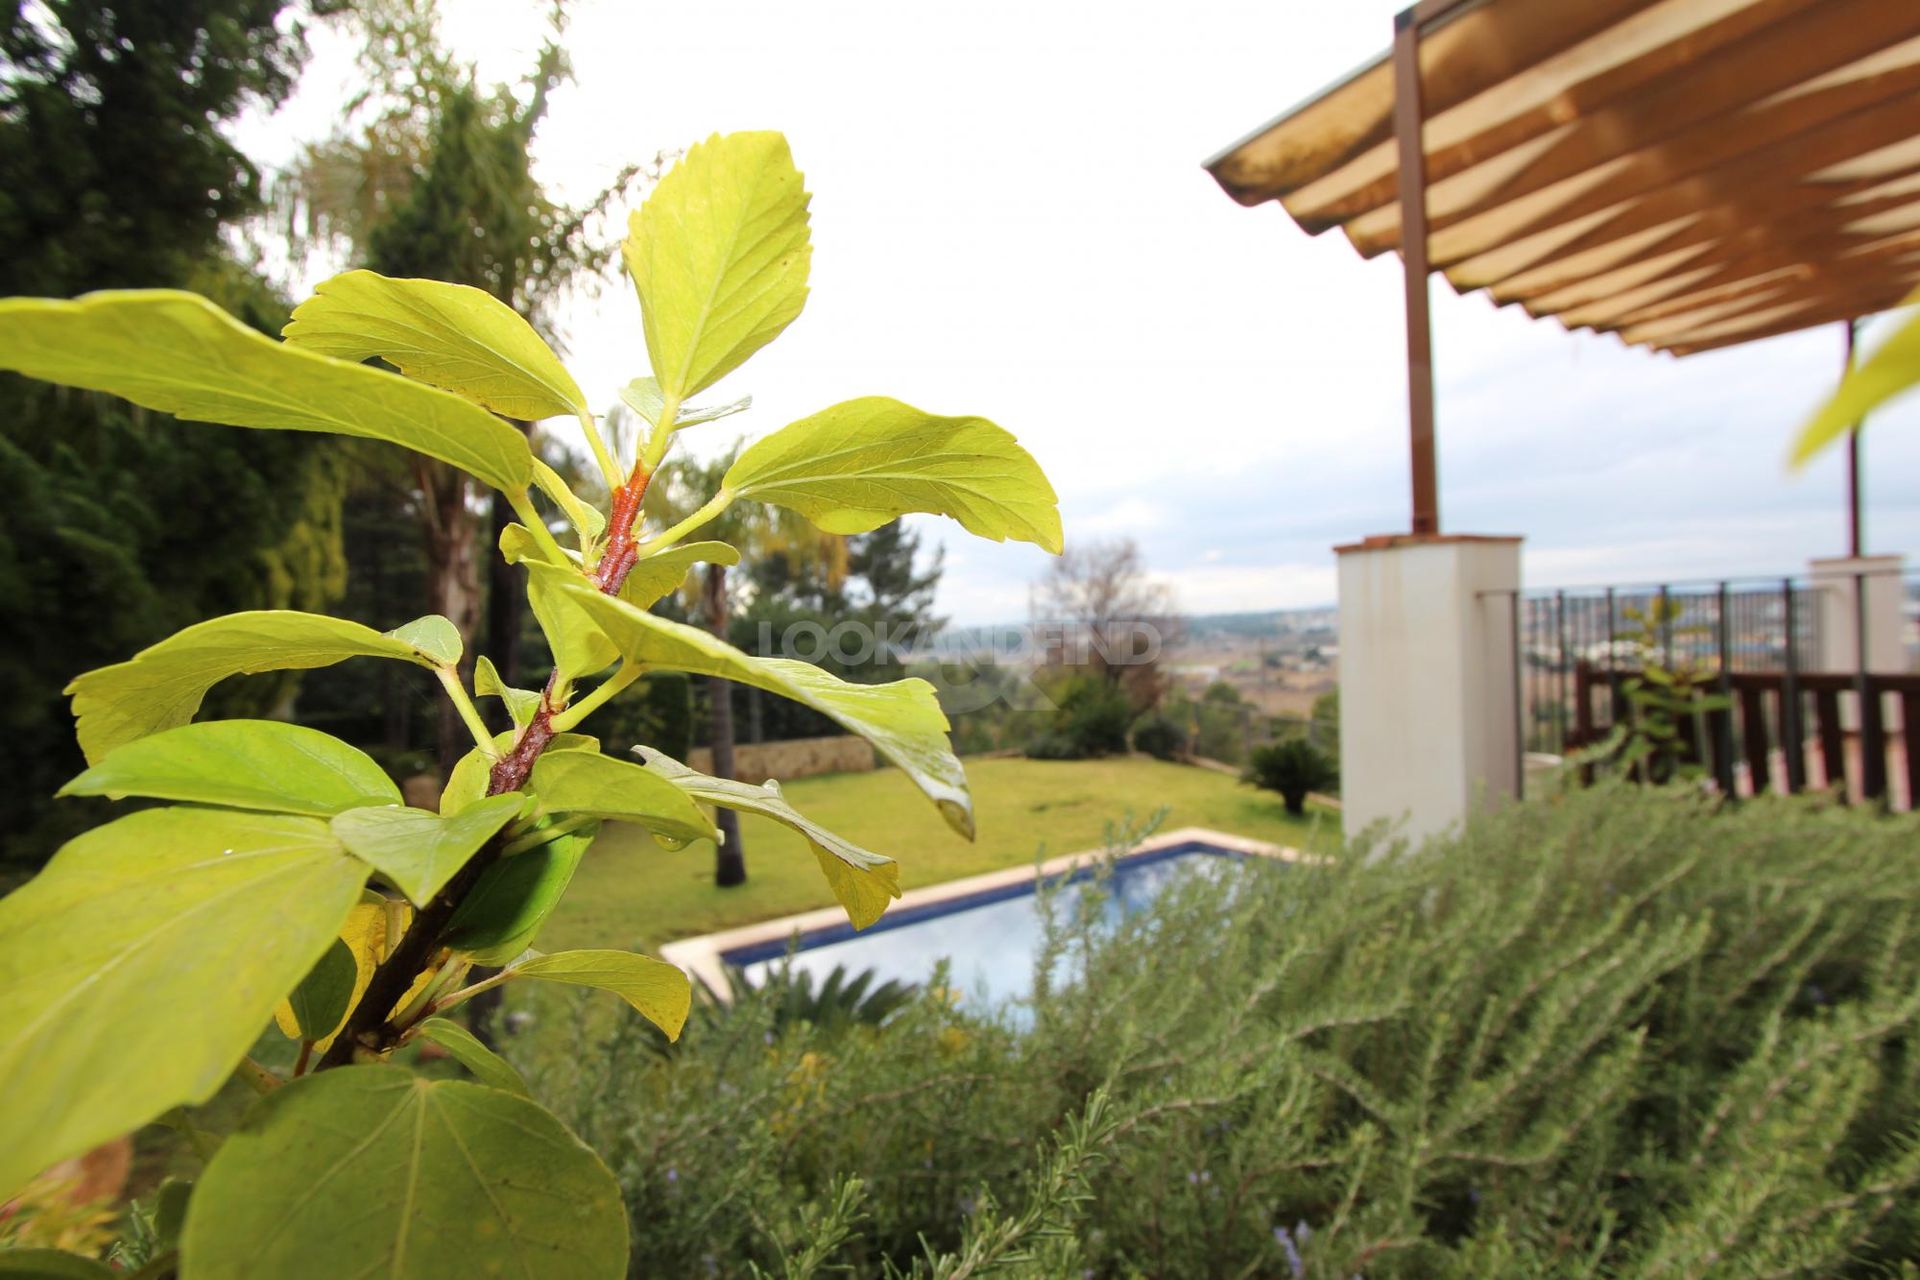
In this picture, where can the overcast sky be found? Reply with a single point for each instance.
(1010, 219)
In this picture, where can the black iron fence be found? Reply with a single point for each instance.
(1821, 708)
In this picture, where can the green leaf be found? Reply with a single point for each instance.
(140, 965)
(487, 1066)
(520, 703)
(468, 780)
(576, 643)
(242, 764)
(587, 521)
(719, 255)
(434, 638)
(162, 685)
(517, 544)
(862, 882)
(180, 354)
(902, 719)
(372, 1171)
(860, 464)
(321, 1001)
(417, 850)
(1892, 369)
(450, 336)
(642, 395)
(587, 782)
(509, 903)
(658, 990)
(51, 1264)
(657, 576)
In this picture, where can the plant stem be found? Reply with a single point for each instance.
(547, 835)
(469, 714)
(609, 469)
(453, 998)
(522, 504)
(625, 674)
(715, 505)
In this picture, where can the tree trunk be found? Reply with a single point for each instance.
(730, 859)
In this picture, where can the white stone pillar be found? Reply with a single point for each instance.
(1839, 583)
(1428, 724)
(1877, 578)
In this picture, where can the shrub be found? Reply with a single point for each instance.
(1618, 1033)
(1091, 720)
(1159, 737)
(1293, 768)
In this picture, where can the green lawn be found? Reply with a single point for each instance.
(632, 893)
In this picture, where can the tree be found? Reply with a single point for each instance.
(115, 171)
(1115, 621)
(432, 178)
(759, 533)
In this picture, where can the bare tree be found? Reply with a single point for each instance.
(1111, 617)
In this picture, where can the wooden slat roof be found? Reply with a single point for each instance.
(1689, 174)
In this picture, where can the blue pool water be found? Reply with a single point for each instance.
(991, 938)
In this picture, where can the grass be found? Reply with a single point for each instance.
(631, 893)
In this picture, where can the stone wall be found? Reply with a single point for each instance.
(797, 758)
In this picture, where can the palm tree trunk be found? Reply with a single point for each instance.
(730, 859)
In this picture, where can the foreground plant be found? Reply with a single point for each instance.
(285, 879)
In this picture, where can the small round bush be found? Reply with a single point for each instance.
(1159, 737)
(1293, 768)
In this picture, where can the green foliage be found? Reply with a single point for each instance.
(1159, 737)
(1293, 768)
(1617, 1033)
(1666, 703)
(419, 1177)
(1091, 718)
(1891, 371)
(139, 968)
(117, 170)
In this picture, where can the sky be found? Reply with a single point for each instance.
(1010, 219)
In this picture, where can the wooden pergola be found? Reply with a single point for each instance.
(1687, 174)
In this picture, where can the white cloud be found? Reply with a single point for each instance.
(1011, 219)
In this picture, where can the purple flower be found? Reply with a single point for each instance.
(1284, 1238)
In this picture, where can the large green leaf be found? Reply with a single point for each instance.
(1892, 369)
(902, 719)
(163, 684)
(860, 464)
(719, 255)
(419, 850)
(578, 647)
(320, 1003)
(371, 1171)
(451, 336)
(488, 1067)
(659, 575)
(140, 965)
(588, 782)
(179, 353)
(51, 1264)
(658, 990)
(242, 764)
(502, 916)
(862, 882)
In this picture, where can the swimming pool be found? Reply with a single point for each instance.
(988, 927)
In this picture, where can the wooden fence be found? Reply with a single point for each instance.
(1857, 734)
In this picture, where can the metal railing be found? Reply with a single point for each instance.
(1575, 647)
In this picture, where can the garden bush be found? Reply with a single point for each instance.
(1091, 720)
(1609, 1034)
(1293, 767)
(1159, 737)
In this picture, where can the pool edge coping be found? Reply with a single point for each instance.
(701, 956)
